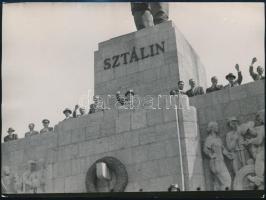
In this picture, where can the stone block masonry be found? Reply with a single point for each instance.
(151, 61)
(243, 102)
(147, 146)
(146, 141)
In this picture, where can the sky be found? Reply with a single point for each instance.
(48, 50)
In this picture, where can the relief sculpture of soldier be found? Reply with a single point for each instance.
(257, 145)
(32, 179)
(251, 175)
(236, 144)
(148, 14)
(9, 181)
(215, 150)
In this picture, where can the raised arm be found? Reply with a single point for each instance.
(251, 69)
(239, 75)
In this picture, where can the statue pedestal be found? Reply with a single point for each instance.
(151, 61)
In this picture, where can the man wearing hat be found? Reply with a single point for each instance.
(194, 90)
(256, 76)
(231, 78)
(46, 127)
(235, 144)
(11, 135)
(179, 89)
(67, 112)
(32, 131)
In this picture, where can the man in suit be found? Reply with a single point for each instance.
(67, 112)
(256, 76)
(32, 131)
(147, 14)
(82, 111)
(214, 86)
(97, 105)
(11, 136)
(194, 90)
(46, 127)
(231, 78)
(179, 89)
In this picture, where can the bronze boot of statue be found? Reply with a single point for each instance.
(149, 14)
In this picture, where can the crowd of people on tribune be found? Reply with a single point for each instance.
(193, 91)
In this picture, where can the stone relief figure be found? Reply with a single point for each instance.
(147, 14)
(8, 181)
(32, 179)
(215, 150)
(235, 144)
(251, 176)
(257, 144)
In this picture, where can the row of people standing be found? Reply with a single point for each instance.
(231, 78)
(13, 136)
(78, 111)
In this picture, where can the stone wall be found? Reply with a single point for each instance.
(153, 75)
(242, 102)
(145, 141)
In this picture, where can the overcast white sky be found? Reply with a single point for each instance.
(47, 61)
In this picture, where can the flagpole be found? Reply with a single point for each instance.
(179, 144)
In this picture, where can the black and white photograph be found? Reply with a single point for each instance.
(112, 97)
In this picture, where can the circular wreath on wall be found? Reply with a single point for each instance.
(116, 167)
